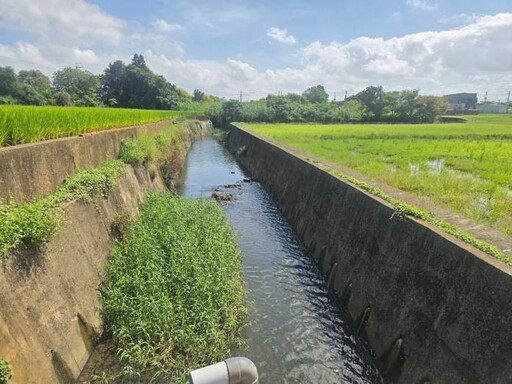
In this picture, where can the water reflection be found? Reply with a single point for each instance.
(296, 333)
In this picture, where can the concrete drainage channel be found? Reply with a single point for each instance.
(432, 308)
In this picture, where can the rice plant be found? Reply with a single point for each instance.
(28, 124)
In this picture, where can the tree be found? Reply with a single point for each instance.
(138, 61)
(62, 99)
(372, 100)
(407, 104)
(112, 81)
(82, 86)
(136, 86)
(198, 95)
(35, 87)
(231, 111)
(9, 83)
(429, 108)
(316, 94)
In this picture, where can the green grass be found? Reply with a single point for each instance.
(6, 371)
(34, 223)
(465, 167)
(175, 299)
(28, 124)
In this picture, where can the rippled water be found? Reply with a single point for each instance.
(296, 333)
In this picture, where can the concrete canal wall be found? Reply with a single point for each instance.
(433, 309)
(50, 316)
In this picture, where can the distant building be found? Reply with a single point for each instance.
(492, 108)
(461, 103)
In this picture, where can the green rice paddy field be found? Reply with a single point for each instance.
(466, 167)
(28, 124)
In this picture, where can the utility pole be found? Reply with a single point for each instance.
(334, 96)
(485, 97)
(78, 66)
(346, 92)
(508, 101)
(240, 96)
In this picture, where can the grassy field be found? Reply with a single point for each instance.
(466, 167)
(26, 124)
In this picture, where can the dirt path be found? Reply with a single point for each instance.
(480, 231)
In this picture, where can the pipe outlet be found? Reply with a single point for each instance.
(235, 370)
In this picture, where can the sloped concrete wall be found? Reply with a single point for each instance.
(30, 171)
(433, 309)
(50, 315)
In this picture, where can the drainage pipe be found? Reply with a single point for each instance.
(235, 370)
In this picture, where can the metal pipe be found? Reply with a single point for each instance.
(235, 370)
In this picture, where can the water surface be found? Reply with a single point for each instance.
(296, 333)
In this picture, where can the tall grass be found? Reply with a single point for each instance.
(175, 299)
(465, 167)
(28, 124)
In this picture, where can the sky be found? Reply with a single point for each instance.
(257, 47)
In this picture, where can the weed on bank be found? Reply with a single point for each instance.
(175, 298)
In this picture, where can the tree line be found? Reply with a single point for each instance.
(121, 85)
(134, 85)
(370, 105)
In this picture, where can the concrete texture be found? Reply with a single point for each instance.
(30, 171)
(50, 314)
(433, 309)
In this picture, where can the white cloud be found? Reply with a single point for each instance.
(165, 27)
(423, 5)
(86, 56)
(7, 52)
(62, 21)
(435, 62)
(474, 57)
(281, 35)
(461, 18)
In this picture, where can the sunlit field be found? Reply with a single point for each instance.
(466, 167)
(27, 124)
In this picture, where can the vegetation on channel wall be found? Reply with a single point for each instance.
(175, 298)
(6, 370)
(34, 223)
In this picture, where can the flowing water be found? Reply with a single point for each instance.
(296, 333)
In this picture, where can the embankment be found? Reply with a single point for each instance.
(50, 314)
(433, 309)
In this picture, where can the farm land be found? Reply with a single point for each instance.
(465, 167)
(28, 124)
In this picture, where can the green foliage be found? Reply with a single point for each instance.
(30, 224)
(175, 299)
(6, 371)
(81, 85)
(34, 223)
(36, 88)
(464, 167)
(23, 124)
(9, 83)
(136, 86)
(62, 99)
(88, 183)
(157, 148)
(316, 94)
(372, 104)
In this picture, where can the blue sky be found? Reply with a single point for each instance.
(263, 46)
